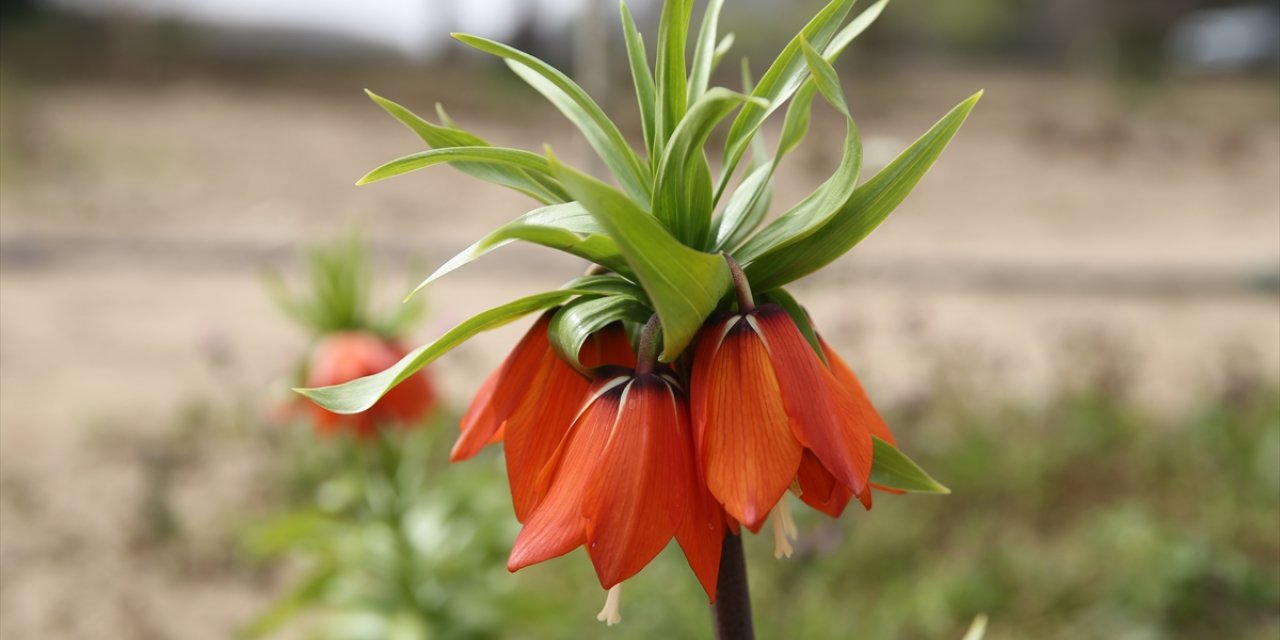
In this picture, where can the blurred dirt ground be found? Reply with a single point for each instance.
(1066, 220)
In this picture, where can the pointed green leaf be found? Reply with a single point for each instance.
(722, 49)
(673, 97)
(545, 190)
(499, 157)
(567, 227)
(816, 209)
(684, 285)
(783, 78)
(704, 52)
(646, 94)
(746, 208)
(825, 77)
(870, 204)
(610, 284)
(795, 126)
(601, 133)
(682, 192)
(361, 393)
(853, 30)
(749, 203)
(576, 321)
(893, 469)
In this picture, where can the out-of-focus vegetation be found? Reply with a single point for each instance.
(1084, 517)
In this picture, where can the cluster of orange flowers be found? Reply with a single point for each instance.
(643, 452)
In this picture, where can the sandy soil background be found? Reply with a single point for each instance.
(1065, 219)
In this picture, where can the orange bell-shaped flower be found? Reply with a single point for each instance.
(347, 355)
(623, 483)
(530, 401)
(762, 404)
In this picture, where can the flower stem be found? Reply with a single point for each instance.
(647, 354)
(732, 610)
(746, 304)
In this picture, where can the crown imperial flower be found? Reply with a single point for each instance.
(724, 406)
(348, 355)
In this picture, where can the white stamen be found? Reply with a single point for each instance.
(611, 614)
(784, 529)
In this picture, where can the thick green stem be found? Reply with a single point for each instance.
(732, 610)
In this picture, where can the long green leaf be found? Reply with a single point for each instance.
(360, 394)
(869, 205)
(816, 209)
(684, 285)
(852, 30)
(641, 76)
(673, 97)
(609, 284)
(749, 203)
(704, 52)
(601, 133)
(746, 208)
(576, 321)
(722, 49)
(492, 156)
(567, 227)
(544, 190)
(893, 469)
(825, 77)
(782, 79)
(682, 192)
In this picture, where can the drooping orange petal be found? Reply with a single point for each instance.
(556, 525)
(639, 492)
(479, 424)
(503, 391)
(824, 417)
(749, 453)
(535, 428)
(819, 489)
(608, 346)
(867, 413)
(701, 534)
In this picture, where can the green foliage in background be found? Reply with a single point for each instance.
(1083, 518)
